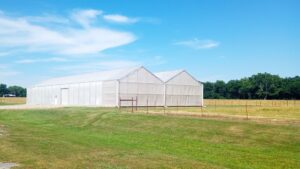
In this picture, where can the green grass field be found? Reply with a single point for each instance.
(106, 138)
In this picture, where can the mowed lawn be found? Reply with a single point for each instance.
(106, 138)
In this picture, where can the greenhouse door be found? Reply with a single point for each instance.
(65, 96)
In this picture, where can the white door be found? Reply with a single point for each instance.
(65, 96)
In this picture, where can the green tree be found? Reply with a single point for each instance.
(17, 90)
(266, 85)
(3, 89)
(245, 88)
(232, 88)
(220, 89)
(208, 90)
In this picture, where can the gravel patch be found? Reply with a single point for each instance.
(7, 165)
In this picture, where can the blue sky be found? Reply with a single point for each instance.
(213, 39)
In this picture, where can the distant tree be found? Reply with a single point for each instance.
(232, 88)
(3, 89)
(220, 89)
(17, 90)
(295, 88)
(266, 85)
(209, 90)
(259, 86)
(245, 89)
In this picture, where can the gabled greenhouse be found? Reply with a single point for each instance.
(181, 88)
(104, 88)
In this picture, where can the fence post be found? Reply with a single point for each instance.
(201, 111)
(147, 106)
(247, 109)
(177, 106)
(136, 103)
(132, 105)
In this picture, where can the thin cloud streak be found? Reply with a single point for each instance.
(116, 18)
(199, 44)
(52, 59)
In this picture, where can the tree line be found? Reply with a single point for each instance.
(259, 86)
(15, 90)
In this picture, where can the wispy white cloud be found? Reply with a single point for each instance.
(97, 66)
(85, 17)
(21, 33)
(199, 44)
(52, 59)
(116, 18)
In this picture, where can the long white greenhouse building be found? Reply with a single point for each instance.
(118, 87)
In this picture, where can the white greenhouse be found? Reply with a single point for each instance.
(104, 88)
(122, 87)
(181, 89)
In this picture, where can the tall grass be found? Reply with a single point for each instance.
(273, 103)
(12, 100)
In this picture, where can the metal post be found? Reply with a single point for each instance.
(247, 109)
(201, 111)
(177, 106)
(119, 104)
(136, 103)
(132, 105)
(147, 106)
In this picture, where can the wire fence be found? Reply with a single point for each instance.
(239, 102)
(270, 109)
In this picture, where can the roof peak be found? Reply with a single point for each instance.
(112, 74)
(167, 75)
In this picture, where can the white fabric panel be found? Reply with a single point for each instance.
(183, 90)
(144, 86)
(98, 93)
(71, 94)
(172, 89)
(78, 94)
(93, 93)
(109, 93)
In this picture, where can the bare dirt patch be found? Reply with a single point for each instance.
(7, 165)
